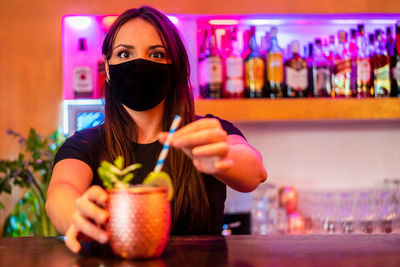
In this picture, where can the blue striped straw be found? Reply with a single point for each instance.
(164, 151)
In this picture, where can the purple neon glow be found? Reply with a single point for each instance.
(225, 22)
(79, 22)
(173, 19)
(107, 21)
(302, 27)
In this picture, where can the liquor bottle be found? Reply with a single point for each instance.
(254, 68)
(331, 47)
(296, 73)
(203, 53)
(341, 71)
(274, 67)
(246, 43)
(310, 79)
(101, 77)
(381, 67)
(233, 67)
(264, 45)
(321, 72)
(101, 68)
(353, 50)
(363, 65)
(395, 64)
(371, 53)
(210, 69)
(390, 43)
(353, 47)
(83, 83)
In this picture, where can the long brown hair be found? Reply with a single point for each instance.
(190, 199)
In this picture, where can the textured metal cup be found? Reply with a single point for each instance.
(140, 221)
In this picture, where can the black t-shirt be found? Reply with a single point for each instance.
(86, 145)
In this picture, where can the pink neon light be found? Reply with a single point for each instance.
(173, 19)
(79, 22)
(223, 22)
(108, 21)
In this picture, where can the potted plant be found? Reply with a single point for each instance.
(140, 215)
(32, 170)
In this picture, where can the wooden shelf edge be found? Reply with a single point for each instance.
(300, 109)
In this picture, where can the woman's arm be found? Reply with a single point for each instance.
(73, 206)
(246, 171)
(228, 158)
(70, 179)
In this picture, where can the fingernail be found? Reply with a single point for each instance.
(223, 164)
(75, 248)
(103, 239)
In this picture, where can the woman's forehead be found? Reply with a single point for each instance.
(137, 31)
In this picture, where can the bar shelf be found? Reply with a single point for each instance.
(306, 109)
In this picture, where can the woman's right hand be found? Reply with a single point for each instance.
(88, 218)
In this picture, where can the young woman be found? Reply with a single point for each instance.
(147, 84)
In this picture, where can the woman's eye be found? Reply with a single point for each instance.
(123, 54)
(158, 54)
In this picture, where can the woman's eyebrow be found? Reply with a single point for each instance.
(155, 46)
(124, 45)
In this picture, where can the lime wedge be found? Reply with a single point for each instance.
(160, 179)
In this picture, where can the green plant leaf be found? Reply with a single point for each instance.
(119, 162)
(131, 168)
(108, 167)
(32, 169)
(5, 186)
(127, 178)
(108, 175)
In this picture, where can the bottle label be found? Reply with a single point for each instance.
(234, 67)
(363, 70)
(210, 70)
(382, 81)
(254, 69)
(83, 79)
(342, 67)
(342, 78)
(396, 73)
(275, 67)
(297, 79)
(234, 86)
(322, 81)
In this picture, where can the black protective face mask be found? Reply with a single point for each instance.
(140, 84)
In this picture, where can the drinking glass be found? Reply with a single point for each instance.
(264, 209)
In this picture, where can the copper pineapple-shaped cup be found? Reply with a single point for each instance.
(140, 221)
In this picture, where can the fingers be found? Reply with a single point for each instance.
(199, 138)
(210, 130)
(71, 241)
(219, 149)
(205, 141)
(86, 206)
(202, 124)
(223, 165)
(162, 137)
(83, 225)
(90, 210)
(212, 165)
(87, 218)
(98, 195)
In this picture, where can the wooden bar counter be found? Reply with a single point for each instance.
(272, 250)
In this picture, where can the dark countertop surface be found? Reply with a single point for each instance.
(245, 250)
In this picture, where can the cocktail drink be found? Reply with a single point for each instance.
(140, 215)
(140, 221)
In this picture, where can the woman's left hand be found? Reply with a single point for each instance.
(205, 142)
